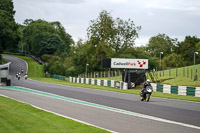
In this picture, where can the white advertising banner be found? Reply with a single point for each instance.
(129, 63)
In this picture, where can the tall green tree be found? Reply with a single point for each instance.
(97, 53)
(173, 60)
(7, 6)
(79, 57)
(42, 37)
(101, 29)
(49, 45)
(66, 38)
(161, 43)
(36, 32)
(8, 28)
(116, 33)
(125, 34)
(187, 48)
(198, 46)
(107, 36)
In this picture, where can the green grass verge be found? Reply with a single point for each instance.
(19, 117)
(3, 61)
(33, 64)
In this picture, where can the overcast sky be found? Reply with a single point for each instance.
(175, 18)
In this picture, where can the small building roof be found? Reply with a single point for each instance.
(5, 65)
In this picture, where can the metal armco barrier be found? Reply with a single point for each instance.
(99, 82)
(57, 77)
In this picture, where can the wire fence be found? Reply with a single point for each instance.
(102, 74)
(190, 72)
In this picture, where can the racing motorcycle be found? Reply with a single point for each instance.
(146, 94)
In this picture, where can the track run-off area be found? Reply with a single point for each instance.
(116, 112)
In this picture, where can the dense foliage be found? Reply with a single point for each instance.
(107, 37)
(8, 28)
(42, 37)
(187, 48)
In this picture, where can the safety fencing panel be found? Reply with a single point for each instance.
(159, 88)
(166, 89)
(99, 82)
(113, 83)
(190, 91)
(105, 83)
(174, 89)
(82, 80)
(109, 83)
(87, 81)
(154, 87)
(197, 92)
(180, 90)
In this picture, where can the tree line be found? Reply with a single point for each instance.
(107, 37)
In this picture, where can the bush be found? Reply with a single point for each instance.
(173, 60)
(57, 68)
(71, 71)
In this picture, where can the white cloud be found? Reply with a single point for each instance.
(176, 5)
(142, 40)
(118, 1)
(150, 13)
(176, 18)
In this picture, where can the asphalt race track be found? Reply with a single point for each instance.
(117, 112)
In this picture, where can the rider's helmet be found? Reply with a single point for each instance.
(148, 81)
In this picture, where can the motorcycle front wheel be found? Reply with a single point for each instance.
(141, 98)
(147, 97)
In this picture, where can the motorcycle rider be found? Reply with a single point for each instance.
(17, 75)
(22, 71)
(25, 76)
(145, 84)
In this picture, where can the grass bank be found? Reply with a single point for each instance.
(3, 61)
(22, 118)
(183, 76)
